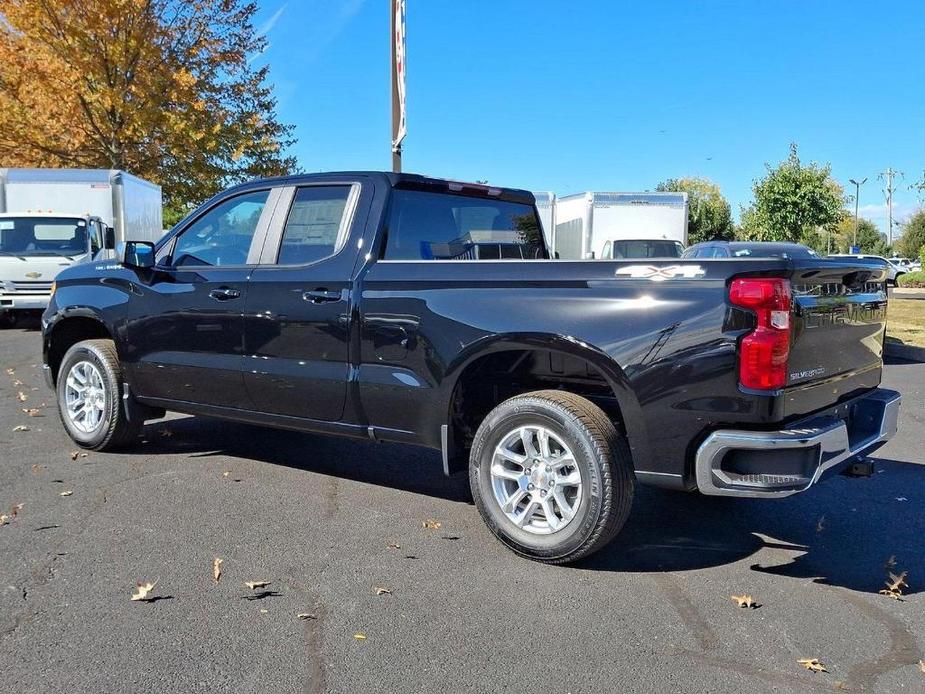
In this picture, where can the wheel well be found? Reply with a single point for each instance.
(495, 377)
(68, 333)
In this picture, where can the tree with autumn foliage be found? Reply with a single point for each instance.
(162, 88)
(709, 216)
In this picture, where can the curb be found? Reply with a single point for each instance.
(892, 349)
(907, 293)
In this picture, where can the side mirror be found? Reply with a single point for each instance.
(138, 254)
(109, 238)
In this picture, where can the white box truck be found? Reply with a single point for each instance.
(620, 225)
(51, 219)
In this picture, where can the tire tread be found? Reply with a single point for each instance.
(617, 476)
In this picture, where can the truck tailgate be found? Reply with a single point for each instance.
(839, 320)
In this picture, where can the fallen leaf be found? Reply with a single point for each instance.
(32, 412)
(812, 664)
(21, 427)
(67, 493)
(392, 545)
(893, 594)
(142, 590)
(897, 583)
(15, 510)
(743, 600)
(890, 563)
(262, 611)
(11, 372)
(77, 454)
(359, 636)
(382, 591)
(922, 665)
(4, 519)
(36, 467)
(431, 524)
(820, 525)
(22, 397)
(226, 473)
(217, 568)
(17, 383)
(254, 585)
(306, 615)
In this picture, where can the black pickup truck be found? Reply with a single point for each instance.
(401, 308)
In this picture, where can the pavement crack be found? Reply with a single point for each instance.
(903, 649)
(674, 592)
(316, 683)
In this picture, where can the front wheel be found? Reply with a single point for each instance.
(551, 477)
(89, 390)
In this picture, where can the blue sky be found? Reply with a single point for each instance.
(596, 95)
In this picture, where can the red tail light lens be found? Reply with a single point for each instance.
(763, 353)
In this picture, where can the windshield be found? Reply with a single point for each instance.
(647, 249)
(43, 236)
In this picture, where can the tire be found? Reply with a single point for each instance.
(112, 430)
(576, 430)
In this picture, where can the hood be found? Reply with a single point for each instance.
(32, 269)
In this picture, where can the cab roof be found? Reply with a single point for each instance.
(398, 180)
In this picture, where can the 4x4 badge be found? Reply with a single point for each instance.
(660, 274)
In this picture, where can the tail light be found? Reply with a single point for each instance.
(763, 352)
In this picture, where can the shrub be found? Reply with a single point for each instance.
(913, 279)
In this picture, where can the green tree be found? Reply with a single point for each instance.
(709, 214)
(913, 237)
(163, 88)
(869, 238)
(794, 202)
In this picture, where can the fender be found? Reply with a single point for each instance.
(616, 379)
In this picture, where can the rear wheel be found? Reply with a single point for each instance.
(89, 390)
(550, 475)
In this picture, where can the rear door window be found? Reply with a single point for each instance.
(315, 227)
(443, 226)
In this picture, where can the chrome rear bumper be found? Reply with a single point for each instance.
(773, 464)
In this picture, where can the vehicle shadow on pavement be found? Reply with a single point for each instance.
(845, 532)
(842, 532)
(408, 468)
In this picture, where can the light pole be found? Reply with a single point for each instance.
(857, 195)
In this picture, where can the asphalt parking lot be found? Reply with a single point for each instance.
(328, 521)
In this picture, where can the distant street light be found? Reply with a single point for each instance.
(857, 195)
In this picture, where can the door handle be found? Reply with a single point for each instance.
(224, 294)
(321, 296)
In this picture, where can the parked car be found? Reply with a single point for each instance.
(894, 271)
(345, 304)
(748, 249)
(51, 219)
(907, 264)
